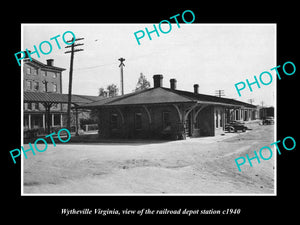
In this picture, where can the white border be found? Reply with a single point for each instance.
(275, 116)
(22, 114)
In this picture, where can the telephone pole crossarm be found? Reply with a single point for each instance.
(70, 46)
(219, 93)
(75, 50)
(121, 60)
(77, 39)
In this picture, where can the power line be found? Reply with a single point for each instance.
(161, 51)
(112, 64)
(94, 67)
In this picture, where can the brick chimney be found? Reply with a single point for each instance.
(173, 84)
(196, 88)
(157, 79)
(50, 62)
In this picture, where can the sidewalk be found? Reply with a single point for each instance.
(92, 137)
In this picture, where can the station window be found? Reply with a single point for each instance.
(138, 121)
(166, 120)
(114, 121)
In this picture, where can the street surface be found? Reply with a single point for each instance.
(194, 166)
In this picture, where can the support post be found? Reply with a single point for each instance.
(61, 120)
(76, 115)
(121, 67)
(47, 107)
(29, 121)
(189, 110)
(44, 122)
(52, 120)
(198, 111)
(70, 87)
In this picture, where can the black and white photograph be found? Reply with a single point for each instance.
(154, 117)
(149, 111)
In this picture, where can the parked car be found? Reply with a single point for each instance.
(268, 120)
(235, 126)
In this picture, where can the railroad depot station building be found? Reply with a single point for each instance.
(161, 112)
(157, 112)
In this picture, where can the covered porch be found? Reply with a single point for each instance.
(48, 113)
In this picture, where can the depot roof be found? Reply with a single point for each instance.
(161, 95)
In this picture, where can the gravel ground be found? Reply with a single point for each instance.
(193, 166)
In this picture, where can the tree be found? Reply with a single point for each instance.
(112, 90)
(142, 83)
(102, 92)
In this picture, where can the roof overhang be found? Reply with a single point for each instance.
(89, 106)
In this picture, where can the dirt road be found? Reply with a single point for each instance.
(194, 166)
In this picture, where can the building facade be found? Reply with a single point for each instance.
(161, 112)
(44, 104)
(46, 78)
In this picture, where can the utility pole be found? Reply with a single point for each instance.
(251, 100)
(219, 93)
(121, 67)
(263, 110)
(72, 51)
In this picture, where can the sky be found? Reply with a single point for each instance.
(215, 56)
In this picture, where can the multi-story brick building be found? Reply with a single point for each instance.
(40, 77)
(45, 106)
